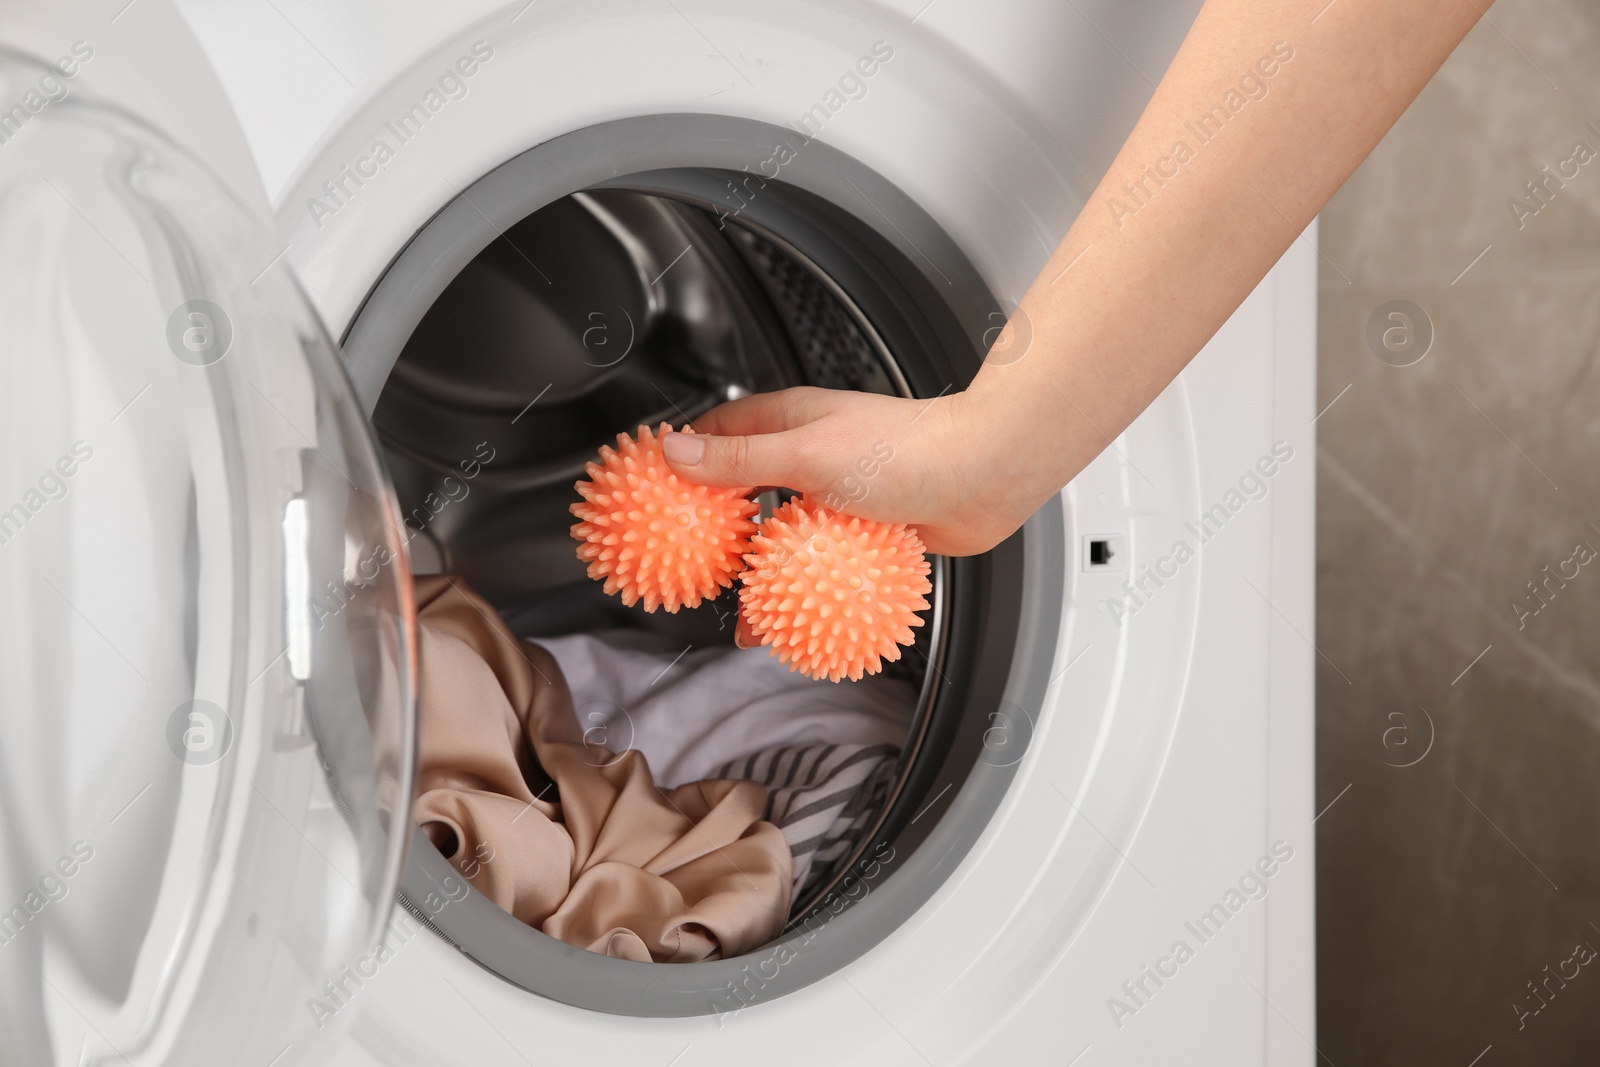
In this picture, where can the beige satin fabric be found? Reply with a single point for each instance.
(614, 865)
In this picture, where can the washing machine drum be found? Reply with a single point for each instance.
(206, 668)
(595, 282)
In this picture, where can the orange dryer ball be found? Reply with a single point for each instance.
(834, 595)
(653, 537)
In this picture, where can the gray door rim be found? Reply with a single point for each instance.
(661, 153)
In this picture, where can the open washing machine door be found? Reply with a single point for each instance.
(207, 647)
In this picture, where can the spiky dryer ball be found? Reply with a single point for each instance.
(654, 537)
(834, 595)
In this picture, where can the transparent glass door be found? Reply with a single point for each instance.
(206, 632)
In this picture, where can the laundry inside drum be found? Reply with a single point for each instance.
(601, 312)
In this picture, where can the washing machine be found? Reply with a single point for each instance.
(277, 272)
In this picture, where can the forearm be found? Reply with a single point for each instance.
(1265, 111)
(1261, 117)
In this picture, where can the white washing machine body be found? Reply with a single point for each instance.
(1139, 885)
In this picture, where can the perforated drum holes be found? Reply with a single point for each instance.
(1400, 733)
(199, 732)
(1399, 332)
(199, 332)
(833, 351)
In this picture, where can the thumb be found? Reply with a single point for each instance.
(738, 461)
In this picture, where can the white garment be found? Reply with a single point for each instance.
(692, 712)
(822, 797)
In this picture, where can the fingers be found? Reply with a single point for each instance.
(786, 409)
(743, 635)
(778, 459)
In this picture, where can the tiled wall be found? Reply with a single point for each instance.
(1453, 875)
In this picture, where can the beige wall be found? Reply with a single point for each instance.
(1444, 487)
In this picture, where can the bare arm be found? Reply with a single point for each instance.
(1262, 116)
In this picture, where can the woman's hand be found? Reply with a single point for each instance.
(931, 464)
(1174, 237)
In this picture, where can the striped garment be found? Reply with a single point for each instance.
(823, 798)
